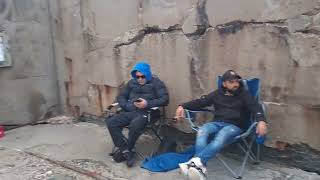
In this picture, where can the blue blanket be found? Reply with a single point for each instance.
(167, 161)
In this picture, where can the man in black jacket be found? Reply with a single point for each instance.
(140, 94)
(231, 102)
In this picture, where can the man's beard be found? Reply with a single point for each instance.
(232, 91)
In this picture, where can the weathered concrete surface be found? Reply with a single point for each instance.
(85, 55)
(75, 83)
(33, 167)
(259, 11)
(29, 89)
(197, 19)
(262, 51)
(165, 13)
(189, 43)
(301, 131)
(253, 50)
(287, 65)
(90, 46)
(104, 61)
(114, 24)
(134, 15)
(86, 146)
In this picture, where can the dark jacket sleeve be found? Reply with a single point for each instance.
(202, 102)
(254, 106)
(162, 95)
(123, 99)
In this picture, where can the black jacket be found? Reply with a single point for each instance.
(154, 91)
(231, 109)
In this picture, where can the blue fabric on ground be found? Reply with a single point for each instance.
(167, 161)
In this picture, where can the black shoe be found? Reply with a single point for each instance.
(118, 156)
(129, 155)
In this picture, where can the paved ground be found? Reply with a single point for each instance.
(24, 154)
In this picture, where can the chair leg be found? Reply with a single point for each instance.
(139, 154)
(159, 128)
(245, 158)
(155, 133)
(256, 157)
(235, 175)
(251, 155)
(152, 153)
(248, 154)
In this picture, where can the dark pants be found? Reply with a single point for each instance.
(136, 122)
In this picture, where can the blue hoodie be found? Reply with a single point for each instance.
(144, 68)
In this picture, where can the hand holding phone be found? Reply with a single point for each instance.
(140, 103)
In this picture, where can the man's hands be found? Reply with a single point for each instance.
(179, 113)
(141, 104)
(261, 128)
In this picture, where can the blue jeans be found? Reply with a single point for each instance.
(223, 133)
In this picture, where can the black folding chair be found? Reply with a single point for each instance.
(154, 125)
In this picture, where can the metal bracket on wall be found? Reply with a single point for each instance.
(5, 58)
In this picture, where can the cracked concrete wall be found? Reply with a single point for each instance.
(249, 10)
(82, 87)
(29, 90)
(188, 43)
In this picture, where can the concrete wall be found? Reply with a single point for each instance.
(90, 46)
(29, 90)
(190, 42)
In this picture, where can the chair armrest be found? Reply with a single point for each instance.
(117, 104)
(112, 105)
(248, 131)
(189, 118)
(199, 111)
(155, 108)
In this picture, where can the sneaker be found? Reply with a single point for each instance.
(184, 167)
(196, 174)
(196, 169)
(129, 155)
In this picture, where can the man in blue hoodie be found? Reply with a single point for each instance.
(141, 93)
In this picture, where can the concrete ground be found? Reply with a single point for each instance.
(48, 152)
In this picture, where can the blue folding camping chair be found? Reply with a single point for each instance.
(248, 138)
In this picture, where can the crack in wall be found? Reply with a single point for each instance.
(148, 30)
(226, 28)
(203, 25)
(202, 12)
(312, 12)
(309, 31)
(235, 26)
(197, 85)
(202, 19)
(230, 27)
